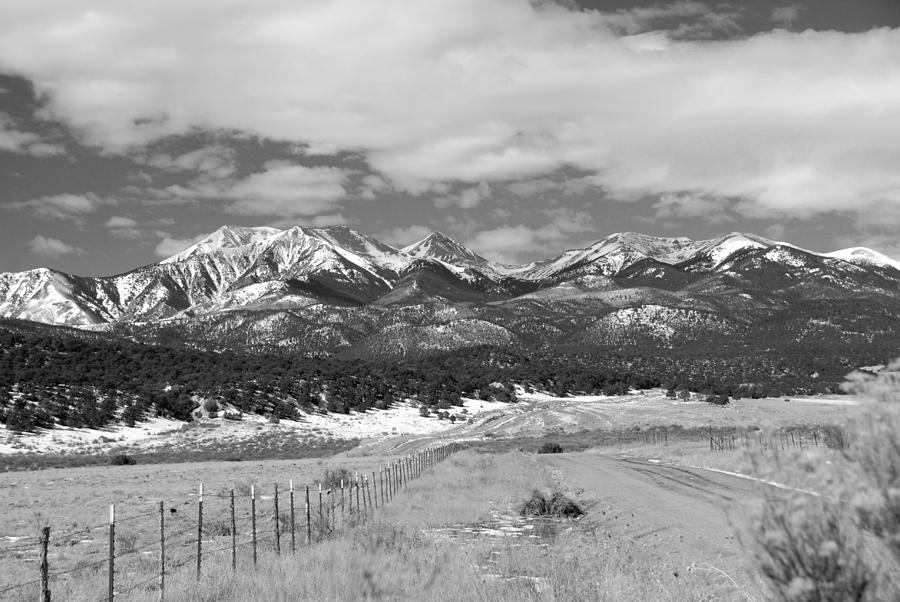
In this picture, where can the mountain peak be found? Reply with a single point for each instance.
(226, 237)
(864, 255)
(438, 245)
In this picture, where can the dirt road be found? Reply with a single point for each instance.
(688, 518)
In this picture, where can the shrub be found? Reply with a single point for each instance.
(550, 447)
(332, 478)
(210, 405)
(555, 506)
(843, 544)
(122, 460)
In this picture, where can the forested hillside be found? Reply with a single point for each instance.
(58, 376)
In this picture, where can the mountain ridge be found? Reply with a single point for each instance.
(334, 289)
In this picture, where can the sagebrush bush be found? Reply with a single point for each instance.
(843, 542)
(556, 505)
(333, 477)
(550, 448)
(122, 460)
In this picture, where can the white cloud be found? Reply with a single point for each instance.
(684, 19)
(124, 227)
(280, 189)
(509, 244)
(712, 210)
(467, 198)
(467, 91)
(52, 247)
(287, 190)
(169, 246)
(66, 207)
(401, 237)
(785, 15)
(16, 140)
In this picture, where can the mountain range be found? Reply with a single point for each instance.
(328, 290)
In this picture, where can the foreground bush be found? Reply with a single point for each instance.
(843, 544)
(555, 506)
(550, 448)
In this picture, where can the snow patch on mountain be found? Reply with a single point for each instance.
(864, 256)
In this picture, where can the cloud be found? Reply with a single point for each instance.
(465, 199)
(16, 140)
(287, 190)
(65, 207)
(402, 237)
(212, 162)
(684, 19)
(785, 16)
(687, 206)
(466, 91)
(169, 246)
(52, 247)
(510, 244)
(123, 227)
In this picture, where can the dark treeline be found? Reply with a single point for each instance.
(57, 376)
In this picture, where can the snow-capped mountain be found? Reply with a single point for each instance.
(313, 272)
(439, 246)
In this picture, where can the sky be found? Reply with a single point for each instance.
(518, 127)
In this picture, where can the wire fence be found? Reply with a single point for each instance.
(136, 552)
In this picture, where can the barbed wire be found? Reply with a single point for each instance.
(176, 562)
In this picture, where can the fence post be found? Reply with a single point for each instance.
(199, 530)
(381, 483)
(293, 537)
(162, 552)
(45, 566)
(308, 523)
(343, 516)
(358, 506)
(112, 553)
(277, 521)
(350, 496)
(362, 481)
(374, 483)
(253, 519)
(321, 518)
(233, 535)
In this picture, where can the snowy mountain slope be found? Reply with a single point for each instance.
(301, 269)
(439, 246)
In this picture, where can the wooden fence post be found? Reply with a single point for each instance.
(308, 523)
(162, 552)
(45, 565)
(233, 535)
(253, 519)
(381, 483)
(343, 516)
(199, 530)
(350, 500)
(277, 525)
(321, 525)
(374, 482)
(293, 537)
(112, 553)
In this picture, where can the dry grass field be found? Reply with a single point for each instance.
(453, 534)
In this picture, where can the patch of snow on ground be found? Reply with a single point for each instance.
(400, 419)
(66, 439)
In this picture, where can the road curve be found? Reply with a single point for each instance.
(685, 516)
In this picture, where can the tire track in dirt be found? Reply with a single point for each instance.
(682, 517)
